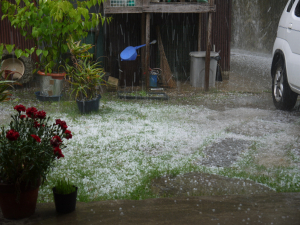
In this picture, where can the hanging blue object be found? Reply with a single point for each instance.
(130, 54)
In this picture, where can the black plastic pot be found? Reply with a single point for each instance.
(88, 106)
(65, 203)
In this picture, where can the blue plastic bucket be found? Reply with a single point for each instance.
(153, 80)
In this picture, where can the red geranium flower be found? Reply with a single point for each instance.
(55, 141)
(37, 138)
(31, 112)
(57, 151)
(57, 121)
(41, 114)
(68, 134)
(61, 123)
(20, 108)
(12, 135)
(36, 124)
(22, 117)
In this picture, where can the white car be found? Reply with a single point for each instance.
(286, 58)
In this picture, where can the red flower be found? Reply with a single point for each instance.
(61, 123)
(12, 135)
(36, 124)
(55, 141)
(68, 134)
(20, 108)
(35, 137)
(57, 151)
(57, 121)
(41, 114)
(22, 117)
(31, 112)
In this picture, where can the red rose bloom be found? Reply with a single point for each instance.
(55, 141)
(57, 151)
(22, 117)
(12, 135)
(20, 108)
(37, 138)
(41, 114)
(31, 112)
(68, 134)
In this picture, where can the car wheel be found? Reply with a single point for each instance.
(283, 97)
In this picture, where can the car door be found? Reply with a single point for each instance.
(292, 36)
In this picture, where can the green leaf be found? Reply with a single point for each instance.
(9, 48)
(38, 52)
(4, 6)
(18, 53)
(1, 50)
(45, 53)
(3, 17)
(32, 50)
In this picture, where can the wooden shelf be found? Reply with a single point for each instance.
(161, 7)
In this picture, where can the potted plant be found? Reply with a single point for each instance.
(65, 195)
(29, 148)
(85, 77)
(49, 23)
(4, 85)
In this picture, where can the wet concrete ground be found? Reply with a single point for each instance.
(276, 209)
(224, 200)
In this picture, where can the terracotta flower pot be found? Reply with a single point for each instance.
(16, 206)
(58, 76)
(65, 203)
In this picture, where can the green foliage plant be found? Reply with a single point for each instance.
(49, 23)
(64, 187)
(84, 75)
(30, 146)
(4, 86)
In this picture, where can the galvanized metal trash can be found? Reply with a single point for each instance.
(197, 69)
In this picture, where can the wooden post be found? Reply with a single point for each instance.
(199, 33)
(147, 58)
(143, 41)
(208, 49)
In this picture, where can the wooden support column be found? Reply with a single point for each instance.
(199, 33)
(143, 41)
(208, 49)
(147, 57)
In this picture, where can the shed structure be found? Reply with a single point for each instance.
(135, 22)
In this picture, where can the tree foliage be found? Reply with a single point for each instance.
(49, 23)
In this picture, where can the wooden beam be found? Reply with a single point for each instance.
(147, 48)
(199, 33)
(208, 49)
(143, 41)
(179, 8)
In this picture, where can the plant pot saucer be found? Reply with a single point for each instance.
(53, 98)
(58, 76)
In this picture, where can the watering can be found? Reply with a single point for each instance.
(130, 54)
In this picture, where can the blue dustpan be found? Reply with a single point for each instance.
(130, 54)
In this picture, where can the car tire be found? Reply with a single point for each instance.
(283, 97)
